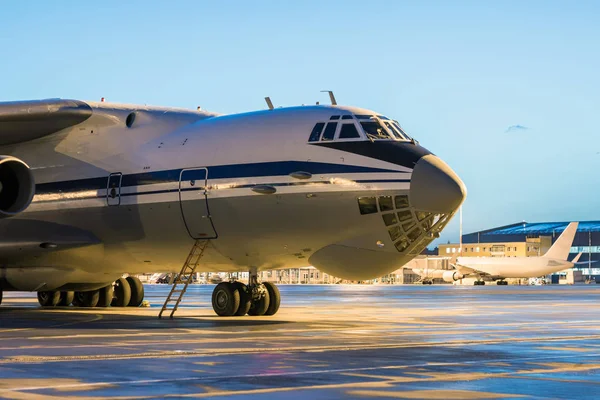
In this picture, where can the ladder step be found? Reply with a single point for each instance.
(185, 276)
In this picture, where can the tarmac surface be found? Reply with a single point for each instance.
(361, 342)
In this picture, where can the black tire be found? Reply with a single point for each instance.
(122, 294)
(245, 299)
(137, 291)
(78, 299)
(225, 299)
(105, 296)
(260, 306)
(66, 298)
(0, 296)
(48, 299)
(274, 298)
(90, 299)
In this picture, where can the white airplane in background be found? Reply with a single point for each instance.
(92, 190)
(500, 268)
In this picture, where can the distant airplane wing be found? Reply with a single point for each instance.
(467, 271)
(21, 121)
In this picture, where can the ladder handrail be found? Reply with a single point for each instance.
(191, 265)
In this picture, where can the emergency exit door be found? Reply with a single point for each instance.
(113, 189)
(194, 203)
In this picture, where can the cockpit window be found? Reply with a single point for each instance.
(374, 130)
(346, 116)
(392, 128)
(348, 131)
(316, 132)
(335, 117)
(329, 133)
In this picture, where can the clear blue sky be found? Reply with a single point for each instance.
(457, 75)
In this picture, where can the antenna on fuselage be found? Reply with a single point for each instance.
(269, 103)
(331, 97)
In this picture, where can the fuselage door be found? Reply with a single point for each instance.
(194, 203)
(113, 189)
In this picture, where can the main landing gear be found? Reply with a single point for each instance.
(124, 292)
(479, 283)
(501, 282)
(256, 299)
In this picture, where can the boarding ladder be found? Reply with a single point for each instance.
(185, 277)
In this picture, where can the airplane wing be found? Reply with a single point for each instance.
(32, 237)
(465, 270)
(21, 121)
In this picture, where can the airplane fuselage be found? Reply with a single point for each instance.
(119, 194)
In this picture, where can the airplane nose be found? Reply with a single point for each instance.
(435, 187)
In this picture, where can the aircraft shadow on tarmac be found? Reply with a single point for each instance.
(57, 318)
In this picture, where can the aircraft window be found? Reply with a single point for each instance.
(407, 226)
(367, 205)
(397, 125)
(394, 232)
(348, 131)
(385, 203)
(374, 130)
(422, 215)
(414, 234)
(402, 201)
(401, 245)
(397, 132)
(363, 116)
(329, 131)
(383, 117)
(404, 216)
(316, 132)
(335, 117)
(389, 219)
(346, 116)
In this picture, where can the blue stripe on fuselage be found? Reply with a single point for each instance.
(277, 168)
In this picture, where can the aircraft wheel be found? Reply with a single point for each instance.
(225, 299)
(106, 296)
(122, 294)
(90, 299)
(245, 299)
(260, 306)
(137, 291)
(0, 296)
(48, 299)
(66, 298)
(78, 299)
(274, 298)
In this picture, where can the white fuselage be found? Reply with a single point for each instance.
(513, 267)
(144, 193)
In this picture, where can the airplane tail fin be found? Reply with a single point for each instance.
(562, 247)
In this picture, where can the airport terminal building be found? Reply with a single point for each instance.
(531, 239)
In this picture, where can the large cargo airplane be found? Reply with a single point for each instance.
(501, 268)
(92, 190)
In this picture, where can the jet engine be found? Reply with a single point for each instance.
(17, 186)
(452, 276)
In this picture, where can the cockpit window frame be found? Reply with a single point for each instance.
(361, 136)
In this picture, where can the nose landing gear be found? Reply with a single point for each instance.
(255, 299)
